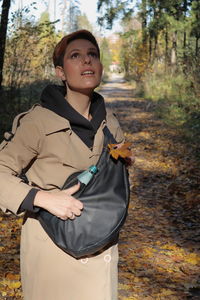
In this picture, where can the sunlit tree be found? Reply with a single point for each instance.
(3, 31)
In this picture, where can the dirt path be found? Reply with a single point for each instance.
(159, 244)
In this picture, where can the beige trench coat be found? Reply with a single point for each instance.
(47, 272)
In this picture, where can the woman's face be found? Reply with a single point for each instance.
(82, 69)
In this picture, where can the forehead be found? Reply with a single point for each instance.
(80, 44)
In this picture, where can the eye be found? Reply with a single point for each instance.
(93, 54)
(75, 55)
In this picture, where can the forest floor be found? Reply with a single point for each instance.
(160, 242)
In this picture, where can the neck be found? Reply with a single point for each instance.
(80, 102)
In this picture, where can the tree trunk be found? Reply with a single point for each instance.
(197, 47)
(184, 34)
(166, 49)
(174, 49)
(184, 53)
(184, 40)
(155, 46)
(3, 31)
(150, 48)
(144, 21)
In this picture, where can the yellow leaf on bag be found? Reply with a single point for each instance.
(120, 150)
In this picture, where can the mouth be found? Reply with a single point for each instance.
(86, 73)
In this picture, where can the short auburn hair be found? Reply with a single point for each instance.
(60, 48)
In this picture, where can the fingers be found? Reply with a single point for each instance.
(72, 216)
(77, 211)
(77, 205)
(72, 190)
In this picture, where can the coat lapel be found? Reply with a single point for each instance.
(75, 152)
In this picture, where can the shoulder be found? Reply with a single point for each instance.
(46, 120)
(111, 118)
(35, 114)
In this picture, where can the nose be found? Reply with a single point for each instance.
(86, 59)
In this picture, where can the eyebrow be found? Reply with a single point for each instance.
(78, 49)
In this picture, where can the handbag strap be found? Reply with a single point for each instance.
(108, 137)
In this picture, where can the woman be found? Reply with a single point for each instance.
(55, 139)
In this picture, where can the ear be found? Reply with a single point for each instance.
(60, 73)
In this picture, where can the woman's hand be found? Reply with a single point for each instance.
(61, 204)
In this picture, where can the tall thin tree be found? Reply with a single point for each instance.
(144, 20)
(3, 31)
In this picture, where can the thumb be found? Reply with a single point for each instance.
(70, 191)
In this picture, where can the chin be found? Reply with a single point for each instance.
(85, 87)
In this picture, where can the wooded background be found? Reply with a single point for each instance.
(157, 50)
(158, 106)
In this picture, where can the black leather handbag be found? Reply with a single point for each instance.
(105, 200)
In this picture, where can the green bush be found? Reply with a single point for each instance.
(178, 103)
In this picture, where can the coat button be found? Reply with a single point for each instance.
(84, 260)
(107, 258)
(8, 136)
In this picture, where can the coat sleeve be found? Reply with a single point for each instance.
(16, 156)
